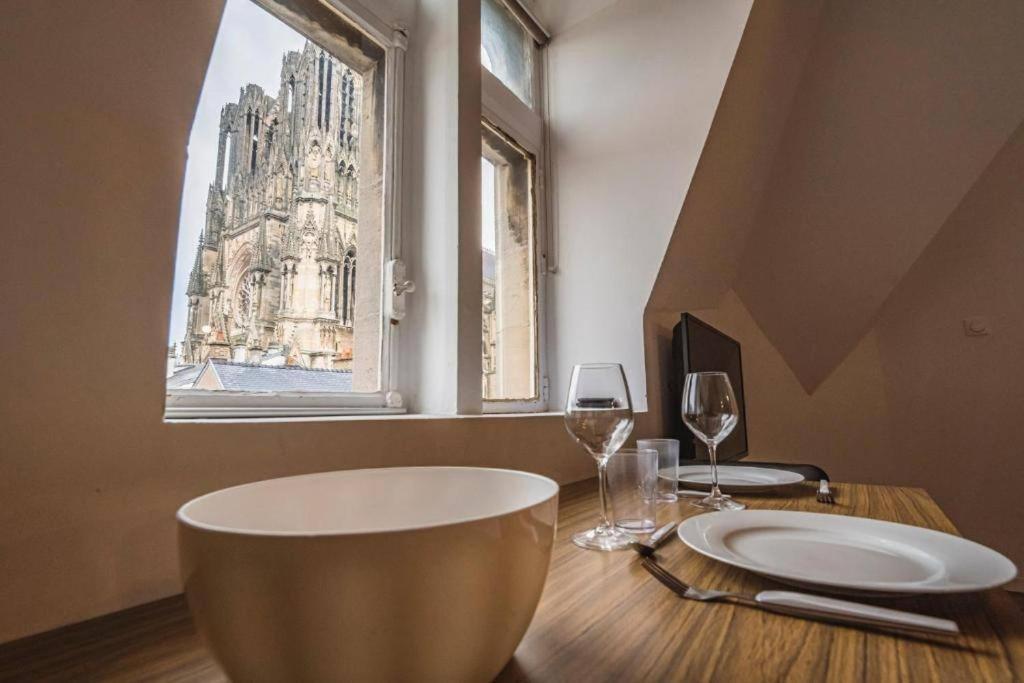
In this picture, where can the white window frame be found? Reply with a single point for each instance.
(503, 109)
(198, 403)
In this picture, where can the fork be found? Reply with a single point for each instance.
(804, 605)
(825, 493)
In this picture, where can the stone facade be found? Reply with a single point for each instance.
(275, 267)
(490, 328)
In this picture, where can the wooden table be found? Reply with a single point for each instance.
(603, 618)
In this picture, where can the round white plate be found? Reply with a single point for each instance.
(846, 554)
(734, 478)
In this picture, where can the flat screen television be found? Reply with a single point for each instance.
(698, 347)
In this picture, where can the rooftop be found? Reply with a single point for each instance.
(232, 376)
(184, 376)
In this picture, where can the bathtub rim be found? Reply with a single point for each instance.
(183, 520)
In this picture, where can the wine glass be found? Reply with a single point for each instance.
(599, 415)
(710, 411)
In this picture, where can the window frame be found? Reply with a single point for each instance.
(199, 403)
(501, 108)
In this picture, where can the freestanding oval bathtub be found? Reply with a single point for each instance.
(396, 574)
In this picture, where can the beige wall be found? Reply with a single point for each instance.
(916, 402)
(955, 402)
(886, 211)
(842, 426)
(102, 101)
(899, 108)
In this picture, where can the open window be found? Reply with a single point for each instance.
(287, 223)
(510, 361)
(512, 208)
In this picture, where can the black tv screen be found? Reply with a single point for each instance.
(698, 347)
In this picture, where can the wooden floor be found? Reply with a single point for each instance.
(153, 642)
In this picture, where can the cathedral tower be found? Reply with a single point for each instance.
(275, 265)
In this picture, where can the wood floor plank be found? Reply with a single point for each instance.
(152, 642)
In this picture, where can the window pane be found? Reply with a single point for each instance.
(281, 200)
(509, 270)
(507, 50)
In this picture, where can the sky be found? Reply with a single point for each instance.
(248, 49)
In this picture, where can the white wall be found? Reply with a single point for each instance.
(429, 354)
(440, 363)
(633, 90)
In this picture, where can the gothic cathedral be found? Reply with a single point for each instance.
(275, 267)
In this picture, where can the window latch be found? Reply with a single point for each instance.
(397, 285)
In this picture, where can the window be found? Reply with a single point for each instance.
(320, 94)
(255, 142)
(512, 192)
(509, 277)
(327, 97)
(507, 49)
(270, 316)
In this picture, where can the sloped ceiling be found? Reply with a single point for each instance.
(815, 208)
(703, 254)
(559, 15)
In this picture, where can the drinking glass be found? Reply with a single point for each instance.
(599, 415)
(633, 489)
(668, 466)
(710, 411)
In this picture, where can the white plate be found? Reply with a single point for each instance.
(734, 478)
(846, 554)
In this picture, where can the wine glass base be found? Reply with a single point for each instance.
(603, 538)
(721, 502)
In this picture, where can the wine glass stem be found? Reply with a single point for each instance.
(602, 486)
(715, 493)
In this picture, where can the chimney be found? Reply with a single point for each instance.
(218, 346)
(172, 359)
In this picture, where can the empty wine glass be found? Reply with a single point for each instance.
(710, 411)
(599, 415)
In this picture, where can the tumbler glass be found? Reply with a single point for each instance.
(633, 489)
(668, 466)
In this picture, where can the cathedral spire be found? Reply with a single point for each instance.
(217, 276)
(214, 213)
(329, 245)
(261, 260)
(196, 279)
(292, 243)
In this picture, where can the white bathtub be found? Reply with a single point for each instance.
(402, 574)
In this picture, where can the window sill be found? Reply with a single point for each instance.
(362, 417)
(193, 404)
